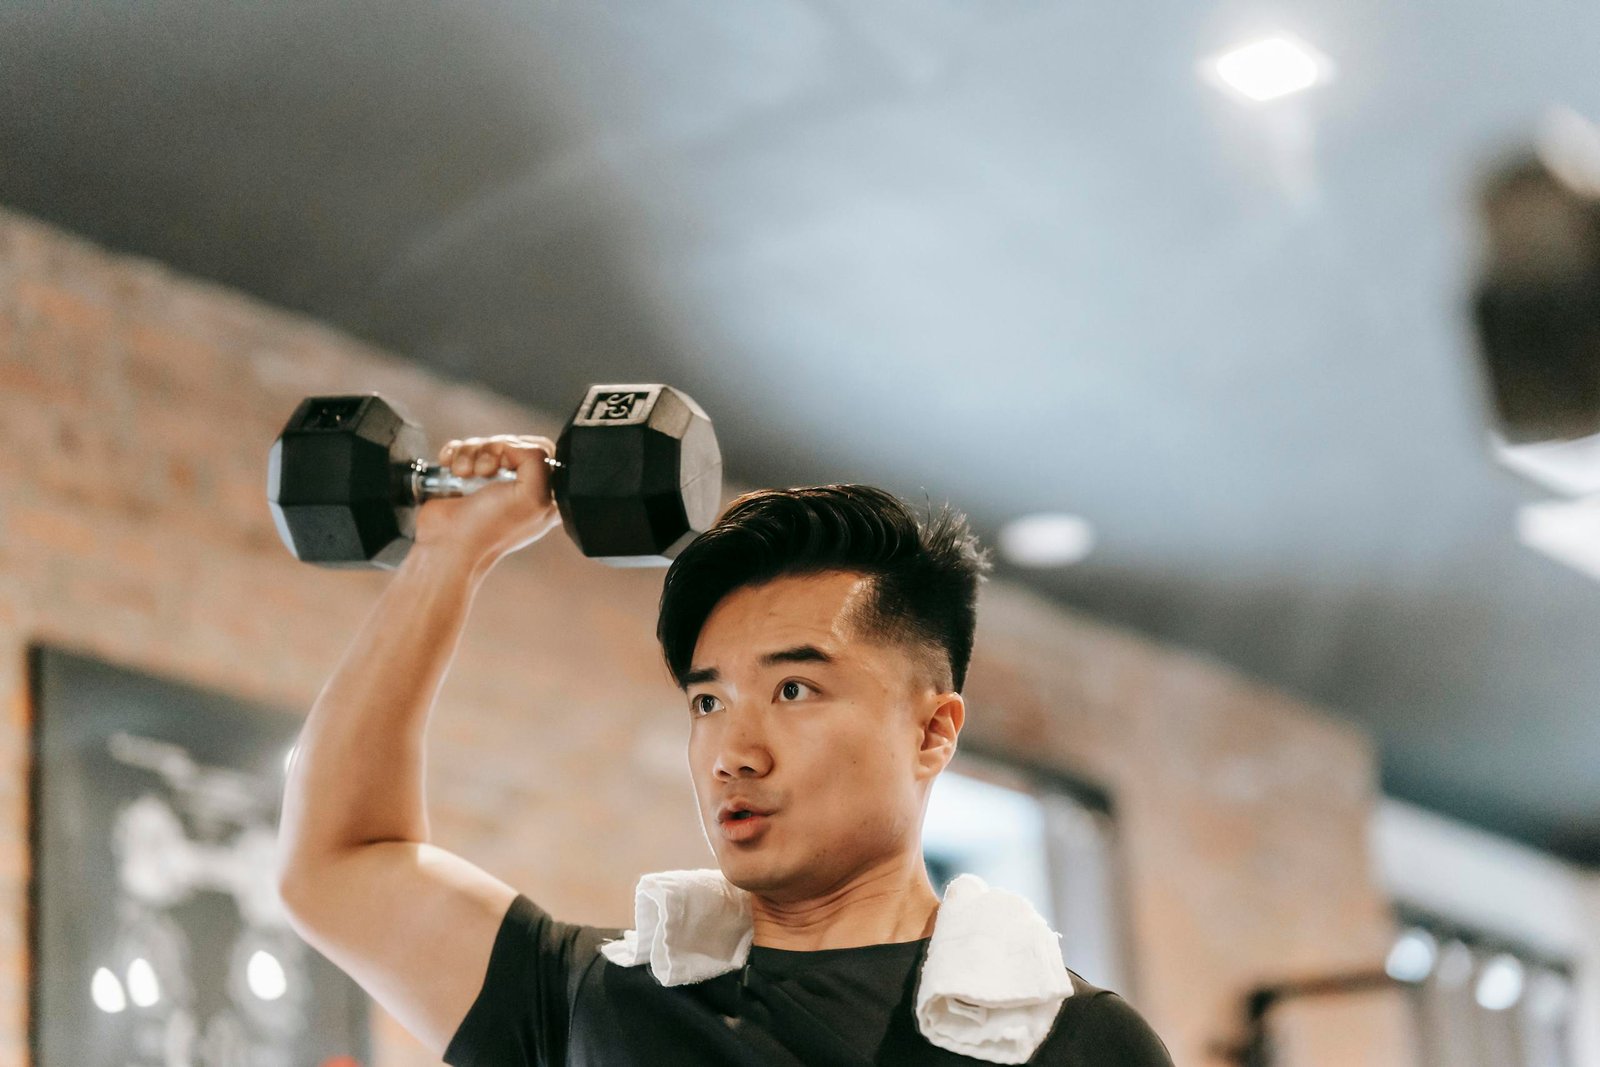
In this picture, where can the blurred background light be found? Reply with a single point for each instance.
(265, 976)
(1571, 468)
(1412, 957)
(107, 992)
(1567, 531)
(144, 989)
(1569, 144)
(1270, 68)
(1500, 983)
(1047, 539)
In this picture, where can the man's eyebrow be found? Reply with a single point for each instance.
(798, 654)
(699, 675)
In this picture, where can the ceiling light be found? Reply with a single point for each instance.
(1270, 68)
(1048, 539)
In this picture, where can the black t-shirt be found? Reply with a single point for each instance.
(550, 999)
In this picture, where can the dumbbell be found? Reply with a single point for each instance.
(637, 475)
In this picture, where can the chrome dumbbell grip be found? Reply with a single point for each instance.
(429, 483)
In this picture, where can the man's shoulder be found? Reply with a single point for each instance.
(1097, 1026)
(1082, 987)
(1076, 1008)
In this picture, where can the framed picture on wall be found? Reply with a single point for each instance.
(157, 935)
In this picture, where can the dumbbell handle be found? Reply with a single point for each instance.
(429, 483)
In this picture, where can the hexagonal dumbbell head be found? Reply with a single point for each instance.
(332, 481)
(641, 474)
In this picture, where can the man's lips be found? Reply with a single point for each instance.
(744, 828)
(737, 810)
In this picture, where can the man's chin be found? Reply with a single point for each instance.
(753, 874)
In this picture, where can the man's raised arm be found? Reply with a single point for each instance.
(412, 923)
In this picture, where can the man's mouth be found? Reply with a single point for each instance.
(742, 826)
(739, 811)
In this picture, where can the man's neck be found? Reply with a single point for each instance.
(889, 903)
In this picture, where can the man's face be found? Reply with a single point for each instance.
(795, 715)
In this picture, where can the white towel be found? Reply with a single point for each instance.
(993, 981)
(691, 925)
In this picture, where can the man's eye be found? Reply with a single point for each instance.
(791, 690)
(704, 704)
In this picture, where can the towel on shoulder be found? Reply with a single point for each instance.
(991, 985)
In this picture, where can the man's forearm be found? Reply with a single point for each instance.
(357, 774)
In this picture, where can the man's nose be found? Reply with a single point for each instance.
(743, 751)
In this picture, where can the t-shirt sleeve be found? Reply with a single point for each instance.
(521, 1014)
(1111, 1033)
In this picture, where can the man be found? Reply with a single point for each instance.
(821, 638)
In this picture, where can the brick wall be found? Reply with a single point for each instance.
(135, 412)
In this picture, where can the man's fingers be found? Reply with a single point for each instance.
(543, 444)
(488, 460)
(481, 457)
(466, 457)
(516, 452)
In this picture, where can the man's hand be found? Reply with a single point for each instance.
(495, 521)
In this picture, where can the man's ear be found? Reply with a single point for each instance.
(940, 729)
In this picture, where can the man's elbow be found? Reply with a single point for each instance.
(294, 891)
(323, 887)
(303, 885)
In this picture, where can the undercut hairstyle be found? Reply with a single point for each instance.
(924, 575)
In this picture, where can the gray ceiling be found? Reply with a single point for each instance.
(1016, 254)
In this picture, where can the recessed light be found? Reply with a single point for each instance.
(1269, 68)
(1048, 539)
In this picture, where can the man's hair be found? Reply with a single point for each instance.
(924, 576)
